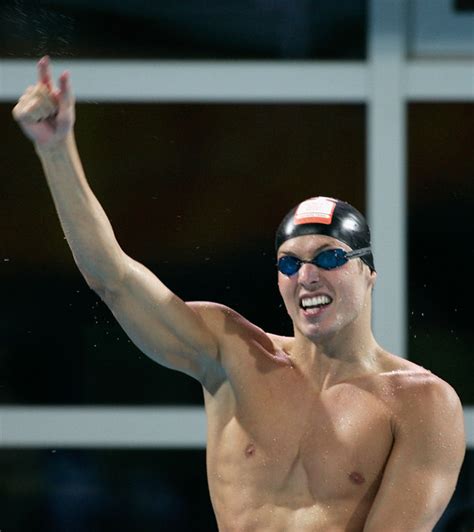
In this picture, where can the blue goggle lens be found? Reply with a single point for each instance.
(327, 260)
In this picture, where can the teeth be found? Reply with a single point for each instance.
(315, 301)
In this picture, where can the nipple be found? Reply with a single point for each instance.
(250, 450)
(357, 478)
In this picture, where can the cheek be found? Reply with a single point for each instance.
(351, 289)
(286, 288)
(280, 282)
(283, 285)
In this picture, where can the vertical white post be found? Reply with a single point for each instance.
(386, 167)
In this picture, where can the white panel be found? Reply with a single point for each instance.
(103, 427)
(197, 81)
(113, 427)
(469, 423)
(317, 82)
(386, 173)
(438, 30)
(440, 80)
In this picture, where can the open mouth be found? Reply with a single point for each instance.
(314, 304)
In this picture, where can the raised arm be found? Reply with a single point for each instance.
(423, 468)
(170, 331)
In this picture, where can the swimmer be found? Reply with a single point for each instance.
(324, 430)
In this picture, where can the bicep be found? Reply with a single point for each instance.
(422, 470)
(171, 332)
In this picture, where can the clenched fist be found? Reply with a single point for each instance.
(46, 114)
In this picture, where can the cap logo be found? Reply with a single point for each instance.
(315, 211)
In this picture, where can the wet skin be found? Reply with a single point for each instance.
(298, 437)
(285, 455)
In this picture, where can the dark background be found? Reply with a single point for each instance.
(195, 193)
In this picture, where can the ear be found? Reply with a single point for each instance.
(372, 278)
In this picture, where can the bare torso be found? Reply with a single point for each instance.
(283, 455)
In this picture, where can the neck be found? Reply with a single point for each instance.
(328, 360)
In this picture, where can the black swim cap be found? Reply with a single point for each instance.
(330, 217)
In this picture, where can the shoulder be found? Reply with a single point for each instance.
(429, 423)
(228, 326)
(435, 397)
(416, 386)
(235, 333)
(407, 381)
(411, 390)
(228, 321)
(222, 319)
(424, 403)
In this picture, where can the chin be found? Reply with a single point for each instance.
(324, 330)
(318, 333)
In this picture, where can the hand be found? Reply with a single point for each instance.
(46, 115)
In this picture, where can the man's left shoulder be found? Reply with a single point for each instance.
(421, 391)
(428, 411)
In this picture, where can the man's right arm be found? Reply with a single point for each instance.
(170, 331)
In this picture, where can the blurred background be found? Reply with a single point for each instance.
(200, 124)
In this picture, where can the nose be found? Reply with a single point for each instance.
(308, 274)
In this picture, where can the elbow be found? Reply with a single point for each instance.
(104, 278)
(96, 285)
(103, 287)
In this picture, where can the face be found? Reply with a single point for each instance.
(323, 302)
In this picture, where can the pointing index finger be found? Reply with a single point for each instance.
(44, 72)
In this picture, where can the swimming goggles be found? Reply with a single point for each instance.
(329, 259)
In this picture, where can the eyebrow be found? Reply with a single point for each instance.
(321, 248)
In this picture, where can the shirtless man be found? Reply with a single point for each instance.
(324, 430)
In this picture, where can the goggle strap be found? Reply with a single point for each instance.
(358, 253)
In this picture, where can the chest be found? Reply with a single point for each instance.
(288, 436)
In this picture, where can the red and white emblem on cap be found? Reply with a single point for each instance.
(315, 211)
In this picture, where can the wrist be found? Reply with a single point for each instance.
(56, 147)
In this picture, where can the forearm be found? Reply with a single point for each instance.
(84, 222)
